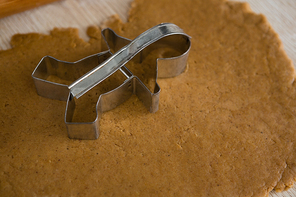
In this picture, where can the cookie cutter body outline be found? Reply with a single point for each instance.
(99, 67)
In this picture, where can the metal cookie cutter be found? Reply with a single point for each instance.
(89, 72)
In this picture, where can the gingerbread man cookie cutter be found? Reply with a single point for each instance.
(97, 68)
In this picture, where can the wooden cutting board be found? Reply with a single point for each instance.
(82, 13)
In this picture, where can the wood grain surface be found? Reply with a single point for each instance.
(9, 7)
(83, 13)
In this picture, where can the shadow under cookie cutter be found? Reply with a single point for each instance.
(96, 68)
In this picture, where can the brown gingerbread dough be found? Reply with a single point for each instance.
(225, 127)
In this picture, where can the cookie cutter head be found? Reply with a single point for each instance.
(77, 78)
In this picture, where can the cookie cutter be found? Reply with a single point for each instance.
(83, 75)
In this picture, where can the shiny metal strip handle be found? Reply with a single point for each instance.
(121, 57)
